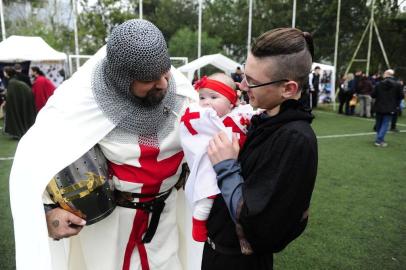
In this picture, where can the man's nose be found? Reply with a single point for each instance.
(162, 83)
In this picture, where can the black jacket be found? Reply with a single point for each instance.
(279, 165)
(388, 93)
(24, 78)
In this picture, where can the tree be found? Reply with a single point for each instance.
(172, 15)
(59, 37)
(184, 44)
(56, 34)
(97, 21)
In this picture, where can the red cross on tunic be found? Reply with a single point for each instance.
(151, 174)
(229, 122)
(186, 119)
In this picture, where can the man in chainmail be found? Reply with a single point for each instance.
(127, 99)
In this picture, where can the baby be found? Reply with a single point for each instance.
(216, 111)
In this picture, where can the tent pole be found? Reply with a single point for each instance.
(75, 26)
(249, 26)
(370, 37)
(381, 44)
(140, 9)
(3, 27)
(334, 75)
(199, 34)
(294, 14)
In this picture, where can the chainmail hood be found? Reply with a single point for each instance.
(136, 50)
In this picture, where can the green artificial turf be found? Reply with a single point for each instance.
(358, 211)
(7, 149)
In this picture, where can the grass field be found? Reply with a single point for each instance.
(358, 212)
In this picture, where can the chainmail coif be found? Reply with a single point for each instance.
(136, 50)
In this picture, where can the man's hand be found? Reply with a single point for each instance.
(62, 223)
(220, 148)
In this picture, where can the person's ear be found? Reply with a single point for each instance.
(290, 90)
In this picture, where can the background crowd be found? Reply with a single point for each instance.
(22, 97)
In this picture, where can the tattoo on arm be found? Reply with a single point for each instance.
(55, 223)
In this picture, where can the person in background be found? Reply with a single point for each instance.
(42, 88)
(353, 86)
(195, 77)
(19, 108)
(398, 113)
(364, 96)
(388, 93)
(348, 93)
(342, 94)
(314, 83)
(238, 75)
(2, 98)
(22, 76)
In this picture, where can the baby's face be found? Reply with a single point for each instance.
(215, 100)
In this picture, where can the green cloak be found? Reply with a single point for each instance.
(20, 108)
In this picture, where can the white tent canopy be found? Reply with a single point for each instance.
(218, 60)
(23, 48)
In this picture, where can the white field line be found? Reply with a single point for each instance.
(6, 158)
(352, 135)
(359, 118)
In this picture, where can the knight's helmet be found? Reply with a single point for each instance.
(136, 50)
(84, 187)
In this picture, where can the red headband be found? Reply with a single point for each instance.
(217, 86)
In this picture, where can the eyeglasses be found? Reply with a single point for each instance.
(251, 86)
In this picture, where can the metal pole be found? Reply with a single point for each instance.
(381, 44)
(333, 79)
(75, 27)
(140, 9)
(294, 14)
(3, 27)
(371, 25)
(199, 34)
(249, 26)
(356, 50)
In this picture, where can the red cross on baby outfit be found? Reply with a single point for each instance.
(229, 122)
(189, 116)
